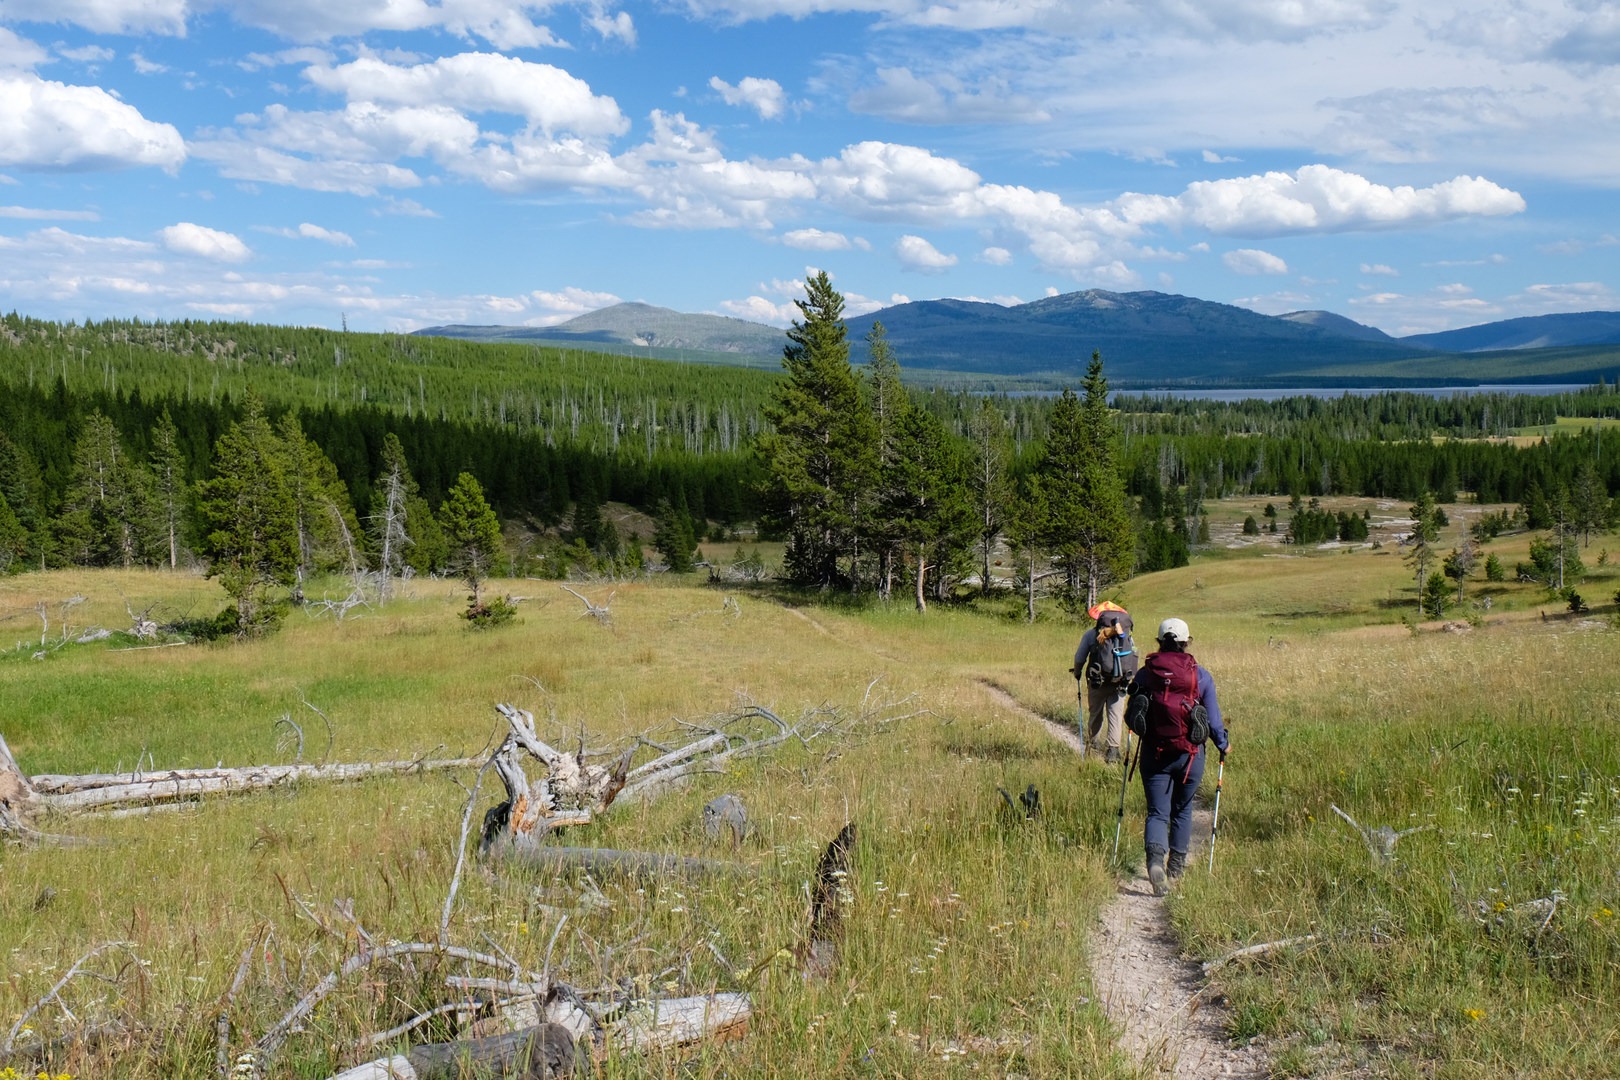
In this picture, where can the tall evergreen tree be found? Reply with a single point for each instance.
(1026, 529)
(473, 534)
(813, 457)
(1421, 541)
(106, 517)
(247, 507)
(13, 540)
(887, 402)
(1588, 502)
(673, 537)
(327, 533)
(927, 503)
(1088, 515)
(987, 482)
(169, 487)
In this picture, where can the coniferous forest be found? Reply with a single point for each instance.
(119, 442)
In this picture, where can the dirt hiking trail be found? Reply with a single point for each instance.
(1169, 1020)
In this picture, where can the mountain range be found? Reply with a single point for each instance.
(1145, 338)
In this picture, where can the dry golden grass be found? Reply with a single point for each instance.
(968, 931)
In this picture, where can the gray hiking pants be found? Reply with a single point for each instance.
(1105, 703)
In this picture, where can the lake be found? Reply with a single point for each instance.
(1218, 394)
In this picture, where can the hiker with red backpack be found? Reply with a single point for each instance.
(1104, 665)
(1173, 709)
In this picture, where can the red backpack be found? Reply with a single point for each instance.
(1175, 716)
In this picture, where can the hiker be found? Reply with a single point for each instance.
(1180, 713)
(1104, 664)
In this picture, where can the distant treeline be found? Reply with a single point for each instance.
(601, 403)
(546, 430)
(525, 476)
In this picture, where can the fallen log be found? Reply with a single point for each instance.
(93, 791)
(535, 1053)
(633, 864)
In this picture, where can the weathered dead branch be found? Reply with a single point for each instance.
(1381, 840)
(54, 994)
(600, 612)
(1256, 950)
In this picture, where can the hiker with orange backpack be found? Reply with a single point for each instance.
(1104, 665)
(1173, 710)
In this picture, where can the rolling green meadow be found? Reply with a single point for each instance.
(965, 949)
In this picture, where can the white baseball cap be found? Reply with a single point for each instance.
(1175, 630)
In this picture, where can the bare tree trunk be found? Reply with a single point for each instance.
(18, 801)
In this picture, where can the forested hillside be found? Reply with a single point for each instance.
(101, 423)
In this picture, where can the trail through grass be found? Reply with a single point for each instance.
(969, 931)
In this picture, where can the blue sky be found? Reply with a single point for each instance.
(400, 163)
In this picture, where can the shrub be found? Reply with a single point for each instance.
(489, 614)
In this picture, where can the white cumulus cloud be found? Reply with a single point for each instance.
(103, 16)
(549, 98)
(918, 254)
(816, 240)
(50, 125)
(306, 231)
(1253, 261)
(564, 304)
(1380, 270)
(764, 96)
(1316, 198)
(187, 238)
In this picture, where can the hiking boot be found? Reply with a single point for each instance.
(1155, 872)
(1176, 864)
(1112, 756)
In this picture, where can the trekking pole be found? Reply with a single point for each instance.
(1215, 821)
(1124, 780)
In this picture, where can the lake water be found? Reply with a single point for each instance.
(1356, 391)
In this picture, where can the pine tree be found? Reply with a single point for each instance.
(1026, 530)
(169, 487)
(987, 481)
(886, 403)
(105, 520)
(1088, 522)
(473, 534)
(927, 505)
(672, 536)
(1589, 502)
(247, 507)
(13, 540)
(323, 515)
(813, 457)
(1425, 531)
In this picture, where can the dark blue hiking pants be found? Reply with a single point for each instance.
(1170, 788)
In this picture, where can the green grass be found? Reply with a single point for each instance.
(968, 930)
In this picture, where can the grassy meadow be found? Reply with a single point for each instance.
(967, 935)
